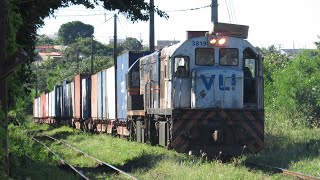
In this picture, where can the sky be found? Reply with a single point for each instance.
(283, 23)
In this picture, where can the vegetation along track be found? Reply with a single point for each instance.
(109, 166)
(286, 172)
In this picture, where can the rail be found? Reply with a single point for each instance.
(283, 171)
(61, 160)
(86, 154)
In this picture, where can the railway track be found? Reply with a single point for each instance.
(286, 172)
(77, 171)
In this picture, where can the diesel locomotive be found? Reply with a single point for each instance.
(202, 95)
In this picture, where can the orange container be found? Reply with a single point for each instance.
(94, 96)
(43, 101)
(77, 96)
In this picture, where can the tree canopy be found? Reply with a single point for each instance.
(132, 44)
(44, 40)
(69, 32)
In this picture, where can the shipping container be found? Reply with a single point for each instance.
(48, 110)
(124, 62)
(86, 98)
(69, 96)
(57, 107)
(55, 103)
(36, 108)
(64, 102)
(77, 96)
(101, 94)
(72, 113)
(94, 96)
(110, 96)
(43, 106)
(67, 102)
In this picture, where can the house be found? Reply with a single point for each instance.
(47, 52)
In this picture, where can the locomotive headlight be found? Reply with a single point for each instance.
(213, 41)
(222, 41)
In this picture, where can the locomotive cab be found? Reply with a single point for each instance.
(226, 76)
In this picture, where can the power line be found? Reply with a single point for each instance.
(124, 30)
(108, 19)
(80, 15)
(228, 10)
(233, 11)
(191, 9)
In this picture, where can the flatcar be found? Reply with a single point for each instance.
(201, 96)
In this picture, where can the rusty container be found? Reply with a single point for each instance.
(94, 96)
(77, 96)
(48, 105)
(43, 106)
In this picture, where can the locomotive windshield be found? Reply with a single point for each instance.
(204, 56)
(228, 56)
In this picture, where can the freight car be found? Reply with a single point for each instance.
(203, 95)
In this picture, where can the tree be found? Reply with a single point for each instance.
(132, 44)
(69, 32)
(317, 43)
(83, 46)
(23, 18)
(44, 40)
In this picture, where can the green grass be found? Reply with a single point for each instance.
(297, 149)
(30, 159)
(294, 148)
(150, 162)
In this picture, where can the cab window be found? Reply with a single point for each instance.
(249, 61)
(228, 57)
(204, 56)
(181, 67)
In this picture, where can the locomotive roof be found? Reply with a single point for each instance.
(240, 42)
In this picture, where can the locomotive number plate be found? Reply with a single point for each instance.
(199, 43)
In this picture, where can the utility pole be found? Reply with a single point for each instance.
(115, 63)
(214, 11)
(91, 71)
(151, 34)
(3, 89)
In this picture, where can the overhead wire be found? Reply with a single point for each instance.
(190, 9)
(233, 12)
(124, 30)
(228, 11)
(80, 15)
